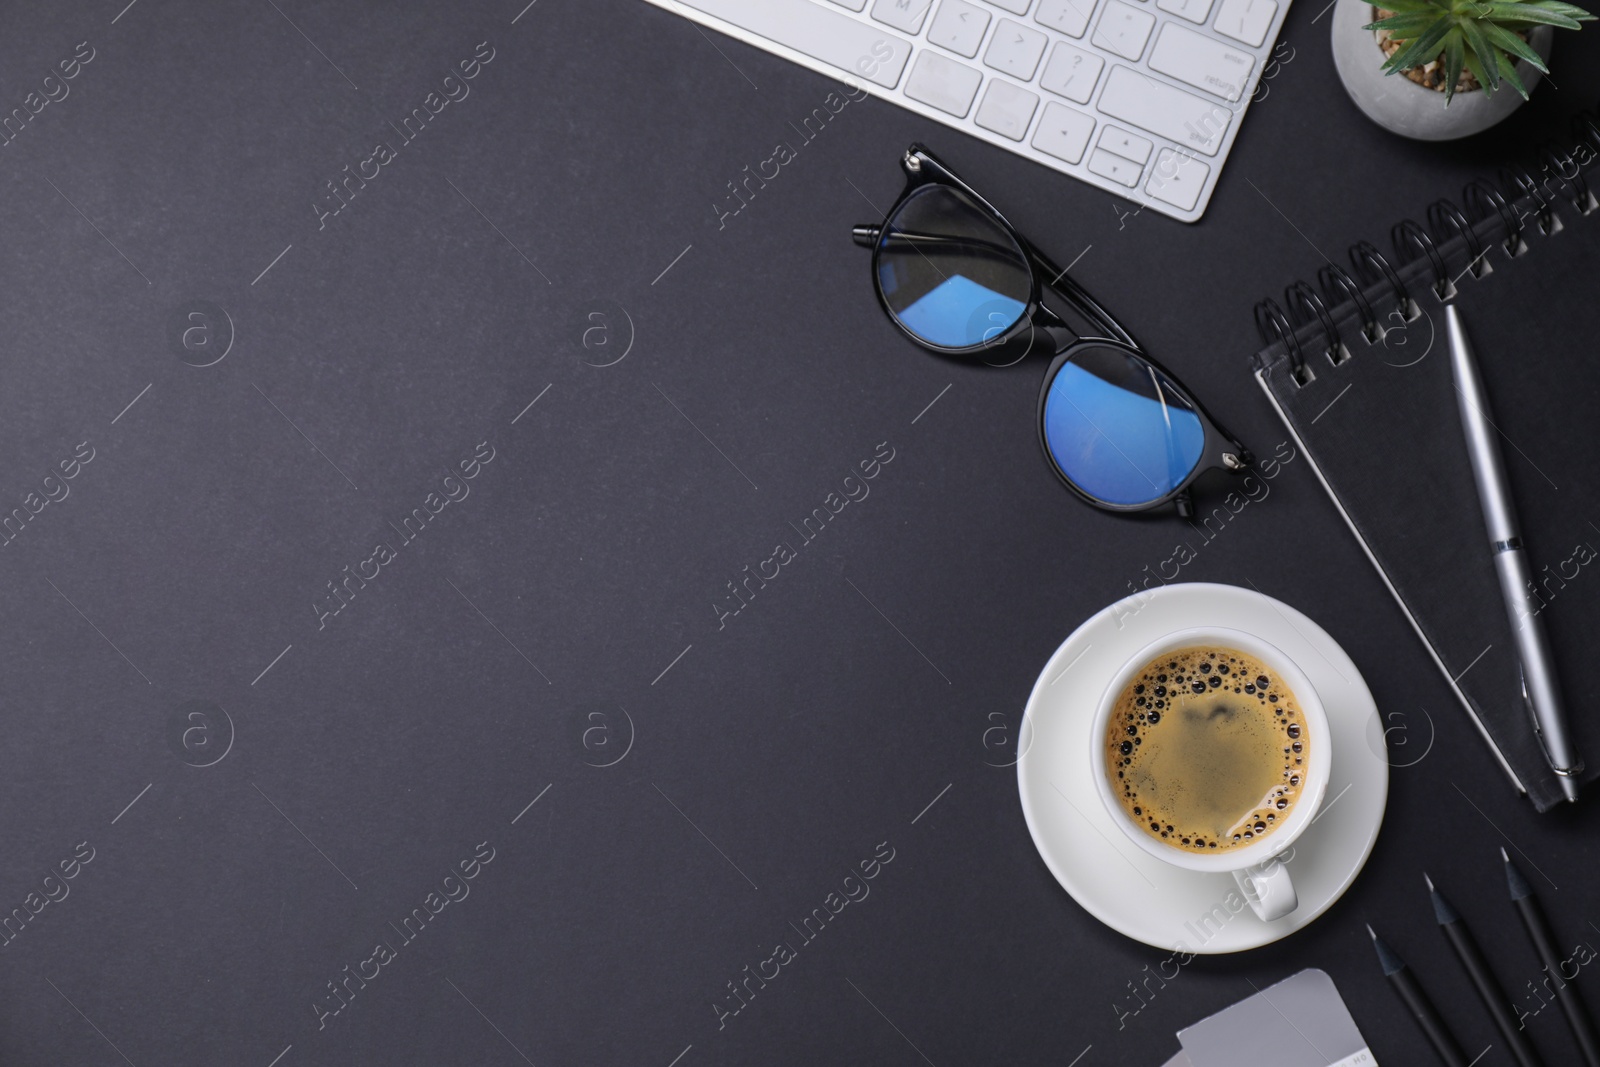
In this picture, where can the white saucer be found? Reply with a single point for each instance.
(1137, 894)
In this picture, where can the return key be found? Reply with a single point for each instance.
(1201, 61)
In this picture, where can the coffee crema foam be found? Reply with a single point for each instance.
(1207, 749)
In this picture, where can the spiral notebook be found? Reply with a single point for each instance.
(1357, 368)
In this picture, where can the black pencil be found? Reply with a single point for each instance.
(1483, 980)
(1544, 943)
(1421, 1008)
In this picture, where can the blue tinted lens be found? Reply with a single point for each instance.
(1117, 428)
(949, 272)
(960, 313)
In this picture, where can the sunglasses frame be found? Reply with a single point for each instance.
(1220, 450)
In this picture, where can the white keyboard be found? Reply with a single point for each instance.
(1142, 98)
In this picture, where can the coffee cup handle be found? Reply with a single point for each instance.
(1268, 889)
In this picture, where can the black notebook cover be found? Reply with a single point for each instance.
(1379, 421)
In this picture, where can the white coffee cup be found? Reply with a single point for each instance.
(1256, 867)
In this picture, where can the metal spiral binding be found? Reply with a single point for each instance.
(1479, 193)
(1519, 193)
(1563, 166)
(1407, 237)
(1301, 298)
(1274, 326)
(1518, 180)
(1331, 277)
(1443, 214)
(1371, 267)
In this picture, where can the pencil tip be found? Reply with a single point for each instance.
(1391, 963)
(1516, 882)
(1428, 880)
(1503, 854)
(1442, 909)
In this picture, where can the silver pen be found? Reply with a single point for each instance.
(1541, 689)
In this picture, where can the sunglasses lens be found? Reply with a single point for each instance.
(949, 272)
(1117, 428)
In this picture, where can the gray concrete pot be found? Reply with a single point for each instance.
(1402, 106)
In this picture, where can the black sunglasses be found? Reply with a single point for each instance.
(1116, 427)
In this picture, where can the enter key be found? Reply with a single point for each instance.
(1203, 62)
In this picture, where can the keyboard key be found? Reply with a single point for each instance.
(1125, 144)
(1063, 132)
(904, 15)
(1006, 109)
(959, 27)
(1193, 10)
(1158, 108)
(1137, 97)
(820, 32)
(1201, 61)
(1177, 179)
(1123, 29)
(1015, 49)
(1246, 21)
(1114, 167)
(1070, 17)
(1071, 72)
(943, 83)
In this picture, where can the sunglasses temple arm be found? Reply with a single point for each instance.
(868, 236)
(1056, 281)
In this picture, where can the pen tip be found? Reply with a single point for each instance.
(1428, 880)
(1503, 854)
(1372, 932)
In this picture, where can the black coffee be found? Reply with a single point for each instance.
(1207, 749)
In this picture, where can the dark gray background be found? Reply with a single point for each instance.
(416, 325)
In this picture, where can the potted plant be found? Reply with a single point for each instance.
(1455, 58)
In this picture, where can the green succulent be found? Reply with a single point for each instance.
(1476, 34)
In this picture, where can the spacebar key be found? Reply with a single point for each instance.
(831, 37)
(1164, 110)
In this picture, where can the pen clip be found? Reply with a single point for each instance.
(1533, 717)
(1527, 704)
(1538, 734)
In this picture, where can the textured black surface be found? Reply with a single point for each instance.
(1384, 426)
(468, 679)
